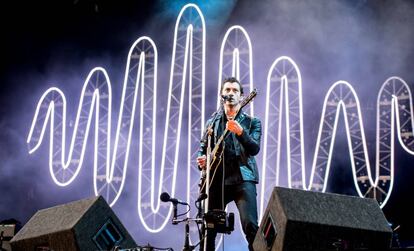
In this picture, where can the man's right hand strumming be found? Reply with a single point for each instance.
(201, 161)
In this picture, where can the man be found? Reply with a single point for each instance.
(237, 175)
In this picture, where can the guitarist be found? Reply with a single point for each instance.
(236, 175)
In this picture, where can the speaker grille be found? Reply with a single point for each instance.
(307, 220)
(88, 224)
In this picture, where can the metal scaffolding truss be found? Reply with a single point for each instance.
(186, 80)
(340, 96)
(394, 109)
(236, 60)
(94, 101)
(283, 95)
(139, 91)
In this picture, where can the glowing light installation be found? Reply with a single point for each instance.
(283, 82)
(96, 97)
(188, 66)
(187, 75)
(236, 59)
(394, 104)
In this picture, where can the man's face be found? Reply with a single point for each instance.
(232, 90)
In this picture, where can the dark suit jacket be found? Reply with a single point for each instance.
(247, 145)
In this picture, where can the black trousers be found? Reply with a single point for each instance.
(244, 195)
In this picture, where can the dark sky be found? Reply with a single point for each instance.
(47, 43)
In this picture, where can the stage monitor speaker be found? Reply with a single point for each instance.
(8, 229)
(298, 220)
(88, 224)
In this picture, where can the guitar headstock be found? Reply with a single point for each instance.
(249, 98)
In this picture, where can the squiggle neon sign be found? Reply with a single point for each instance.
(394, 104)
(187, 75)
(139, 89)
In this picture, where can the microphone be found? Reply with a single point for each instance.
(226, 97)
(165, 197)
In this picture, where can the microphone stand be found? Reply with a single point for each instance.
(174, 219)
(187, 246)
(206, 174)
(207, 188)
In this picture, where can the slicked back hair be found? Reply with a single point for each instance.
(231, 80)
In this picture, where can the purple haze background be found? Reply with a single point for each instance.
(57, 43)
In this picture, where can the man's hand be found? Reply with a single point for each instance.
(234, 126)
(201, 161)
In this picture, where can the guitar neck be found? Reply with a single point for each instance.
(226, 131)
(219, 141)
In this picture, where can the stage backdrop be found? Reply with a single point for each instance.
(334, 97)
